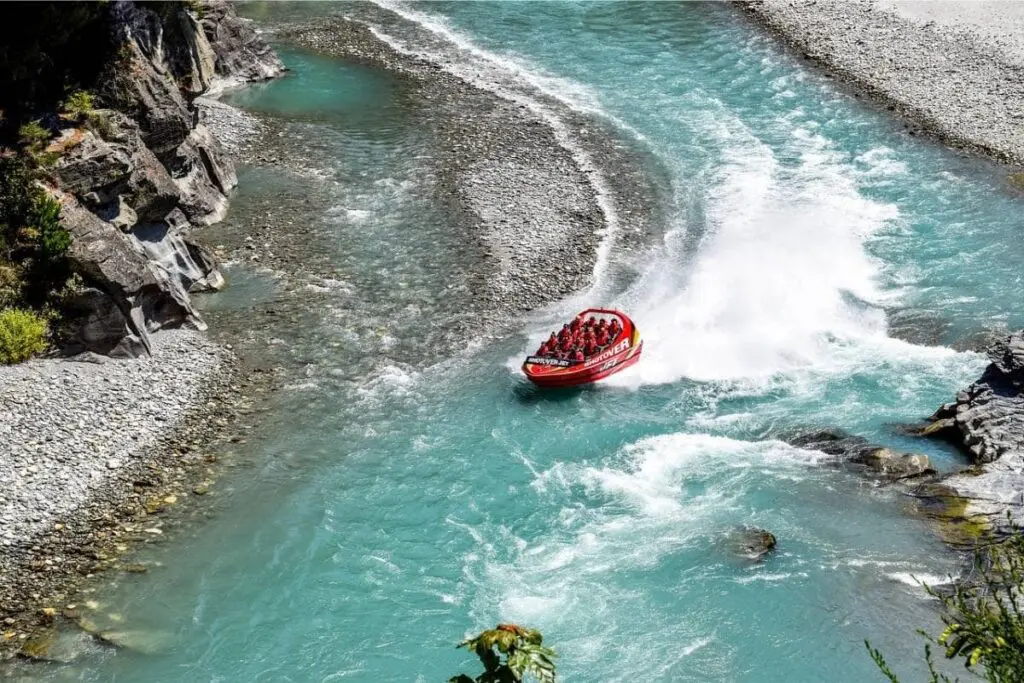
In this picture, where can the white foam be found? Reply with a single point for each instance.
(639, 512)
(880, 162)
(782, 279)
(767, 577)
(918, 580)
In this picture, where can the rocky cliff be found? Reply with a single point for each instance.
(137, 175)
(987, 421)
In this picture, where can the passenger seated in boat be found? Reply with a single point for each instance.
(578, 356)
(544, 351)
(614, 328)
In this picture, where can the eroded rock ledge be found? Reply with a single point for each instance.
(987, 421)
(136, 178)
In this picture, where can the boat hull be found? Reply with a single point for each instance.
(622, 353)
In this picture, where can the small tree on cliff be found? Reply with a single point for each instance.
(509, 653)
(984, 619)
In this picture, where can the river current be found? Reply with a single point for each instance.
(816, 267)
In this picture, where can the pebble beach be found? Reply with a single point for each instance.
(954, 70)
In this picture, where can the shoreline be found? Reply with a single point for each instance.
(129, 468)
(99, 448)
(947, 77)
(42, 582)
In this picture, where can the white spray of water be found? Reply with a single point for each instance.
(782, 278)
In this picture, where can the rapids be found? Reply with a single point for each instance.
(814, 267)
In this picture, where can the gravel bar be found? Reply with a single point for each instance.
(957, 74)
(84, 444)
(68, 427)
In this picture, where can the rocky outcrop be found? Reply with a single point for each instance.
(987, 421)
(137, 176)
(240, 53)
(858, 454)
(987, 418)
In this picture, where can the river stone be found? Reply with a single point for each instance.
(751, 543)
(58, 644)
(143, 642)
(887, 462)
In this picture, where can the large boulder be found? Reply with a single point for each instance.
(750, 543)
(145, 297)
(987, 418)
(858, 454)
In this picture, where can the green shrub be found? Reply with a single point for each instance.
(510, 653)
(79, 104)
(22, 335)
(34, 136)
(53, 239)
(99, 122)
(984, 620)
(10, 284)
(17, 194)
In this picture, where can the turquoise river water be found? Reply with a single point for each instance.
(390, 502)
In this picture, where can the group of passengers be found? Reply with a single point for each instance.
(580, 339)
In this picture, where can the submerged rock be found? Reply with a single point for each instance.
(61, 644)
(143, 642)
(750, 543)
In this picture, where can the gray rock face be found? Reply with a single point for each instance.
(143, 296)
(987, 421)
(240, 52)
(136, 179)
(104, 173)
(987, 418)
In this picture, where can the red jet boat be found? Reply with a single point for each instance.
(621, 352)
